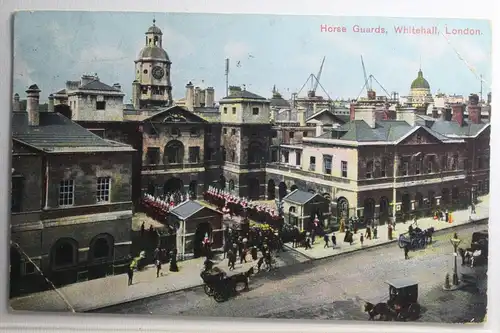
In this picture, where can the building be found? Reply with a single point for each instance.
(71, 203)
(420, 92)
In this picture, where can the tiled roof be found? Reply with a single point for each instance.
(243, 94)
(187, 209)
(56, 132)
(98, 85)
(61, 92)
(299, 197)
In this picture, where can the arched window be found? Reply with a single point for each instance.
(101, 246)
(64, 253)
(174, 152)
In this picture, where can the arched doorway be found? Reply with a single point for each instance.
(64, 253)
(293, 188)
(174, 152)
(173, 185)
(100, 255)
(455, 195)
(405, 205)
(253, 188)
(384, 210)
(369, 210)
(222, 182)
(342, 209)
(204, 228)
(193, 185)
(271, 190)
(445, 197)
(282, 190)
(15, 272)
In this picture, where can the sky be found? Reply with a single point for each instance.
(264, 50)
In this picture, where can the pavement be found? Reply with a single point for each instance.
(112, 290)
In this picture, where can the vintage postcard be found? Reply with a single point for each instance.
(265, 166)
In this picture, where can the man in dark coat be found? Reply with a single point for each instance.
(334, 240)
(406, 249)
(326, 238)
(231, 257)
(173, 261)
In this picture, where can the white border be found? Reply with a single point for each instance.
(485, 9)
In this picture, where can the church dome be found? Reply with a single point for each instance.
(154, 30)
(154, 52)
(420, 82)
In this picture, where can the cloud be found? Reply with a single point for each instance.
(60, 38)
(237, 50)
(176, 42)
(103, 53)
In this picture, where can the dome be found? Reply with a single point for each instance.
(420, 82)
(154, 52)
(154, 30)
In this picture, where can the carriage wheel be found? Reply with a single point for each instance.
(401, 243)
(414, 311)
(220, 297)
(208, 290)
(240, 286)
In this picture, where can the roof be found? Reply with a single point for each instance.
(300, 197)
(154, 52)
(187, 209)
(237, 94)
(98, 85)
(57, 133)
(154, 29)
(420, 82)
(278, 101)
(329, 113)
(453, 129)
(402, 283)
(176, 113)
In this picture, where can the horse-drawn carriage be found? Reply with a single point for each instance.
(221, 287)
(416, 239)
(402, 304)
(477, 253)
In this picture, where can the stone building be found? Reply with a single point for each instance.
(420, 92)
(71, 209)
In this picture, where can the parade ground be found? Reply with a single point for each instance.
(113, 290)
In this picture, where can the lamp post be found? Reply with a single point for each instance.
(455, 242)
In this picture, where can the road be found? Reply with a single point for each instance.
(335, 288)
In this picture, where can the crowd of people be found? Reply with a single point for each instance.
(159, 206)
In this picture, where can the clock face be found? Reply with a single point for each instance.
(158, 72)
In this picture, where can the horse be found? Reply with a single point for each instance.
(241, 278)
(380, 309)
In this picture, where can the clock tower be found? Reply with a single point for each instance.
(152, 86)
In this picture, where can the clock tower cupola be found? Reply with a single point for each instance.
(152, 86)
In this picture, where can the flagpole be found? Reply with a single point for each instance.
(227, 76)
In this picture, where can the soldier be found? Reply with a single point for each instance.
(406, 250)
(334, 240)
(326, 238)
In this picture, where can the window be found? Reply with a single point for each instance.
(255, 111)
(404, 169)
(312, 163)
(304, 134)
(103, 188)
(430, 163)
(29, 268)
(194, 132)
(343, 168)
(145, 71)
(454, 162)
(298, 158)
(17, 194)
(274, 155)
(285, 156)
(234, 110)
(327, 164)
(225, 130)
(291, 135)
(444, 164)
(233, 131)
(194, 154)
(383, 168)
(66, 192)
(153, 155)
(369, 169)
(418, 165)
(100, 105)
(225, 110)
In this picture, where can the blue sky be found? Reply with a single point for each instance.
(53, 47)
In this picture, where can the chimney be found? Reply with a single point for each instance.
(197, 96)
(33, 95)
(365, 113)
(234, 89)
(457, 110)
(51, 103)
(301, 116)
(319, 129)
(474, 109)
(117, 86)
(16, 105)
(407, 114)
(209, 97)
(87, 79)
(446, 114)
(189, 96)
(352, 111)
(435, 113)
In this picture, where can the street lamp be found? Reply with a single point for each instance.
(455, 242)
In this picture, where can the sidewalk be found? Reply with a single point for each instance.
(460, 217)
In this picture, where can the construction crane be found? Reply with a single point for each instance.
(368, 83)
(318, 77)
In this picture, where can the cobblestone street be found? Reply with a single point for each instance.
(335, 288)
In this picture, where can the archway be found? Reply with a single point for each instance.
(222, 182)
(455, 195)
(193, 185)
(369, 210)
(445, 196)
(255, 152)
(419, 201)
(342, 209)
(384, 210)
(202, 229)
(405, 204)
(253, 188)
(101, 247)
(282, 190)
(293, 188)
(173, 185)
(271, 190)
(64, 253)
(174, 152)
(15, 272)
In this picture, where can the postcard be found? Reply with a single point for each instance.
(259, 166)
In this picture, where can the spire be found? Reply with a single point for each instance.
(274, 89)
(154, 21)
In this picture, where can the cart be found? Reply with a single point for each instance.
(221, 287)
(403, 295)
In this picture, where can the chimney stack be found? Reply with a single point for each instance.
(365, 113)
(32, 105)
(117, 86)
(474, 109)
(234, 89)
(16, 106)
(446, 114)
(197, 96)
(51, 103)
(301, 116)
(408, 114)
(352, 111)
(189, 96)
(458, 113)
(209, 97)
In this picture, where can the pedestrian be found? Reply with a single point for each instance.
(231, 258)
(326, 238)
(361, 239)
(446, 215)
(173, 261)
(243, 256)
(473, 208)
(334, 240)
(308, 243)
(143, 229)
(406, 249)
(158, 267)
(130, 271)
(368, 233)
(313, 236)
(253, 252)
(375, 233)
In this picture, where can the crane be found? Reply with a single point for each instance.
(368, 80)
(318, 76)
